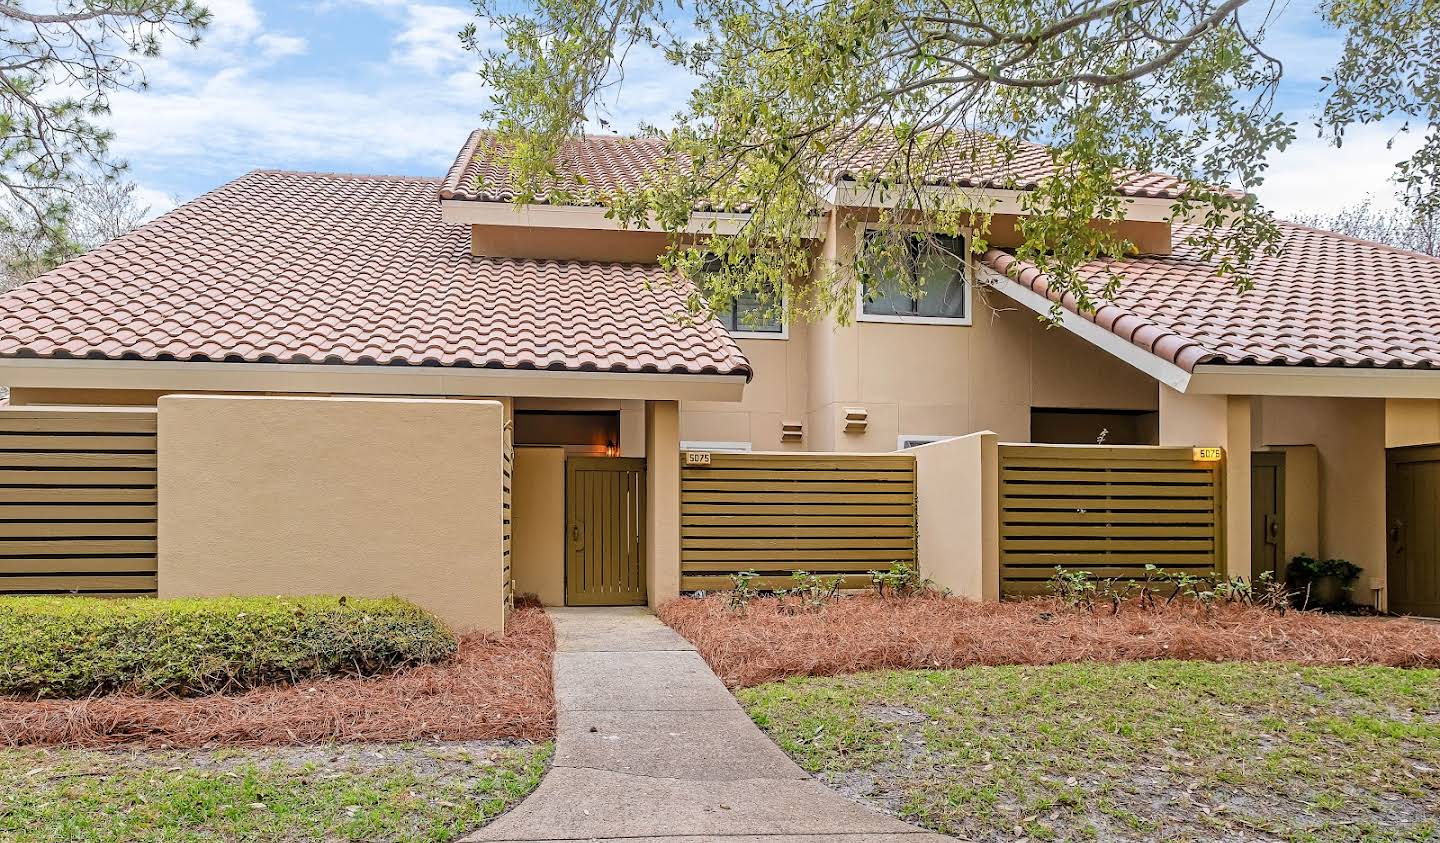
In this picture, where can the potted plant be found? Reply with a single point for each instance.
(1320, 585)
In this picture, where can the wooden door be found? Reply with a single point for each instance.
(1267, 514)
(605, 531)
(1412, 495)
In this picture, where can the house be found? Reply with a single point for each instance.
(557, 325)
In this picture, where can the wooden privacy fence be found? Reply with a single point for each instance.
(77, 502)
(1107, 510)
(775, 513)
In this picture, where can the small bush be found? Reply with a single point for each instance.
(81, 646)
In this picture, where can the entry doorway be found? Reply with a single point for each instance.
(604, 531)
(1412, 504)
(1267, 514)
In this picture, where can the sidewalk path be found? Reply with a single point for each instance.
(652, 747)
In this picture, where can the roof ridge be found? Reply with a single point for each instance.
(269, 171)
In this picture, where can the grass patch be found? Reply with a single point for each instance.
(82, 646)
(415, 793)
(1160, 750)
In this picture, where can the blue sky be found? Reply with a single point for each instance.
(382, 86)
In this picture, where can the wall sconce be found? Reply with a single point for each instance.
(611, 449)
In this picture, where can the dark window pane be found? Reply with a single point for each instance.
(748, 314)
(941, 275)
(936, 268)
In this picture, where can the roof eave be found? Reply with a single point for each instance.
(1314, 381)
(172, 375)
(1159, 368)
(593, 217)
(850, 194)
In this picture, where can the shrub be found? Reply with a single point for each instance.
(82, 646)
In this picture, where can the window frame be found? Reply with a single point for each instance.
(968, 273)
(782, 334)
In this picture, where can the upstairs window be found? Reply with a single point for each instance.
(925, 284)
(746, 315)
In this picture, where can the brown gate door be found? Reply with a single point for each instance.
(605, 531)
(1412, 498)
(1267, 514)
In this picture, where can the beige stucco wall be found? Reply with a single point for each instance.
(538, 523)
(1223, 420)
(774, 396)
(1411, 421)
(366, 497)
(662, 501)
(915, 379)
(958, 512)
(576, 244)
(1349, 438)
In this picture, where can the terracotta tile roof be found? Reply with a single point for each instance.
(975, 163)
(590, 168)
(596, 166)
(1327, 300)
(323, 268)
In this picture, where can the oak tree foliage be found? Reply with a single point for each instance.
(787, 92)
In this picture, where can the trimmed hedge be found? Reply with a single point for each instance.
(81, 646)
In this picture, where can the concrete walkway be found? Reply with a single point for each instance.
(652, 747)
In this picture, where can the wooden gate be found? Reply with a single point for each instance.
(1106, 510)
(605, 524)
(1412, 501)
(774, 514)
(77, 502)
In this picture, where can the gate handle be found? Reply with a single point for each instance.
(575, 534)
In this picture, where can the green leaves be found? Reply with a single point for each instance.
(922, 108)
(76, 646)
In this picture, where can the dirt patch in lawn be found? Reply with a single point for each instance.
(1141, 751)
(858, 633)
(494, 688)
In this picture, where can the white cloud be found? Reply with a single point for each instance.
(232, 22)
(273, 45)
(429, 40)
(1314, 176)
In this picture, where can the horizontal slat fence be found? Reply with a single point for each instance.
(1106, 510)
(827, 514)
(77, 502)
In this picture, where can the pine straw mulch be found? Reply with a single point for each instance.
(859, 633)
(494, 688)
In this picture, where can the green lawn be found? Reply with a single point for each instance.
(1146, 751)
(429, 792)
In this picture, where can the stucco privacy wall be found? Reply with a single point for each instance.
(358, 496)
(957, 490)
(538, 520)
(1223, 420)
(662, 501)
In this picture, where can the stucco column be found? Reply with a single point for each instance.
(662, 501)
(958, 509)
(1224, 420)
